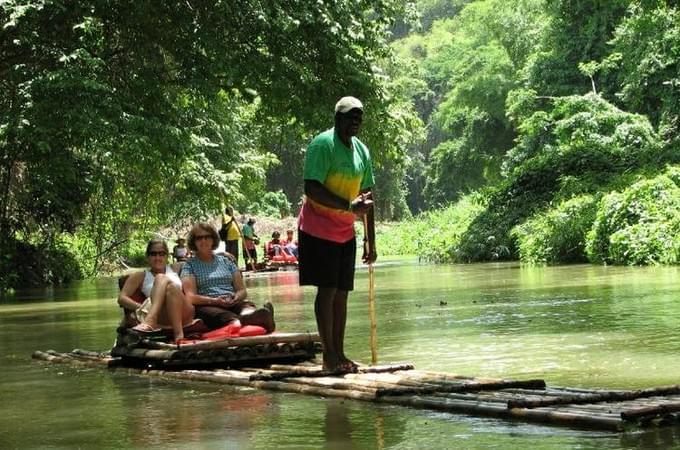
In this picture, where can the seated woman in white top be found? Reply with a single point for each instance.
(165, 305)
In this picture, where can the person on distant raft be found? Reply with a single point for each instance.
(214, 285)
(275, 246)
(290, 244)
(180, 252)
(165, 305)
(229, 232)
(338, 177)
(250, 242)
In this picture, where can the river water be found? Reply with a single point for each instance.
(578, 326)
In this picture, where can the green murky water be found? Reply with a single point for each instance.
(575, 325)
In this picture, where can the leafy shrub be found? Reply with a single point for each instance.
(271, 204)
(582, 145)
(640, 225)
(134, 252)
(434, 235)
(557, 235)
(25, 264)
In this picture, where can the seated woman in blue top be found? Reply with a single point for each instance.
(214, 285)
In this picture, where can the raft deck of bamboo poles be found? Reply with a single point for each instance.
(133, 349)
(524, 400)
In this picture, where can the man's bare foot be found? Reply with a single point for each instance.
(348, 366)
(331, 364)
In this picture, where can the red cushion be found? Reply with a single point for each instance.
(226, 331)
(251, 330)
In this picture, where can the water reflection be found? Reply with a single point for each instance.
(337, 427)
(350, 424)
(658, 438)
(165, 411)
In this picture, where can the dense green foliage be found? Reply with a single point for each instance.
(433, 235)
(120, 117)
(460, 72)
(544, 108)
(536, 125)
(557, 234)
(640, 225)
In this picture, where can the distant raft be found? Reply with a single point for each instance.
(401, 384)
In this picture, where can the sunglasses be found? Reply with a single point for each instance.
(202, 236)
(158, 253)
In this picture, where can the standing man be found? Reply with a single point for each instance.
(229, 232)
(250, 241)
(338, 177)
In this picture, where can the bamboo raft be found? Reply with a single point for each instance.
(524, 400)
(134, 350)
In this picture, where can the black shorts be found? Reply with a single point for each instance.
(232, 247)
(325, 263)
(216, 317)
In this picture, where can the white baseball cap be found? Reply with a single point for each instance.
(346, 104)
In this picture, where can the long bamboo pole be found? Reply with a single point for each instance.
(597, 397)
(371, 298)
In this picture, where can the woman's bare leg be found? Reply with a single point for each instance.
(179, 309)
(158, 296)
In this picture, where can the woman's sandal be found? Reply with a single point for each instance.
(145, 328)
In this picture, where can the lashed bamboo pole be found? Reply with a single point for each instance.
(310, 367)
(437, 376)
(598, 397)
(498, 410)
(463, 387)
(318, 372)
(228, 355)
(648, 411)
(53, 356)
(274, 338)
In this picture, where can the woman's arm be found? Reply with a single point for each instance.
(191, 292)
(132, 284)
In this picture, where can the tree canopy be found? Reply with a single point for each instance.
(538, 119)
(119, 116)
